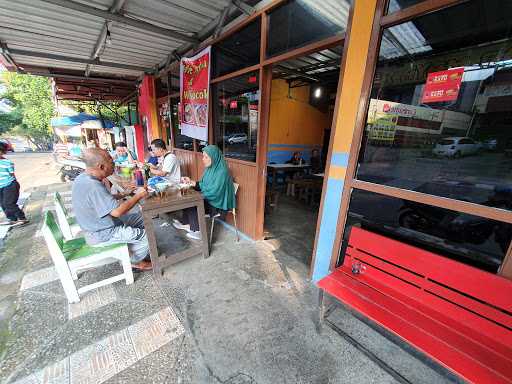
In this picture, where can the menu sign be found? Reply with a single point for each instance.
(442, 86)
(194, 86)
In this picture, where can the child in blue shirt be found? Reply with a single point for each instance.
(9, 190)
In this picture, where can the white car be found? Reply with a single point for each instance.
(456, 147)
(237, 138)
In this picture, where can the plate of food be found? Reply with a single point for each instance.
(202, 114)
(190, 117)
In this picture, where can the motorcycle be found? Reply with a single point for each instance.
(69, 169)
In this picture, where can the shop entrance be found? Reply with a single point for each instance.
(302, 99)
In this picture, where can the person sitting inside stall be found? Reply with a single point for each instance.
(9, 190)
(217, 188)
(296, 159)
(168, 166)
(103, 218)
(122, 154)
(316, 162)
(153, 159)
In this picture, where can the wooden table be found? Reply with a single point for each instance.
(170, 202)
(120, 184)
(286, 168)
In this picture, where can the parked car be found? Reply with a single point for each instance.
(490, 144)
(237, 138)
(456, 147)
(9, 145)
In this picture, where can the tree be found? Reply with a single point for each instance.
(32, 108)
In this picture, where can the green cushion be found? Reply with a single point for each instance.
(87, 250)
(75, 248)
(73, 244)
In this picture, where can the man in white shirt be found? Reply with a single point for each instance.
(168, 164)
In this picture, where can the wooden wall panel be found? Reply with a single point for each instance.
(245, 174)
(188, 162)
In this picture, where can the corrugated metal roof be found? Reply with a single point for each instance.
(57, 36)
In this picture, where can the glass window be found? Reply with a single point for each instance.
(470, 239)
(240, 50)
(440, 114)
(300, 22)
(180, 141)
(236, 116)
(397, 5)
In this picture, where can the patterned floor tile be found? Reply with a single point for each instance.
(104, 359)
(155, 331)
(92, 300)
(40, 277)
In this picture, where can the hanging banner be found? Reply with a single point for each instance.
(194, 86)
(442, 86)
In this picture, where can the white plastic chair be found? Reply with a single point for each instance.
(68, 224)
(71, 256)
(233, 212)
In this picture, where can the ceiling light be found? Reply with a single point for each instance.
(318, 92)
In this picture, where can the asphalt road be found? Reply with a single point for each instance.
(34, 169)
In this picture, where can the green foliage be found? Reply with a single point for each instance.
(31, 99)
(105, 111)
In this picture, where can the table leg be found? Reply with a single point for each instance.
(202, 228)
(153, 250)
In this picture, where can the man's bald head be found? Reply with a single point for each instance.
(98, 163)
(94, 157)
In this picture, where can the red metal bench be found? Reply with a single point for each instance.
(458, 315)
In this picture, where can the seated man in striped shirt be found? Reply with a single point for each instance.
(9, 190)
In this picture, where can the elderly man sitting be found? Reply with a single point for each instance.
(101, 216)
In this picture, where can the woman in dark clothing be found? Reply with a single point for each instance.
(316, 162)
(296, 159)
(217, 188)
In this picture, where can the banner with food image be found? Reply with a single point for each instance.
(194, 86)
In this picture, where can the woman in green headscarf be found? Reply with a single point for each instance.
(216, 186)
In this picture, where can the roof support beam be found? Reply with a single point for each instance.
(50, 56)
(222, 20)
(43, 72)
(99, 46)
(4, 51)
(296, 73)
(245, 8)
(122, 19)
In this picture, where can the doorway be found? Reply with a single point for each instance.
(302, 98)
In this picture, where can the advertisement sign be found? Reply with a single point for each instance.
(442, 86)
(194, 86)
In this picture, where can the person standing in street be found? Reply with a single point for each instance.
(9, 190)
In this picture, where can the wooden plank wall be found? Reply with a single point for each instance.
(189, 163)
(244, 174)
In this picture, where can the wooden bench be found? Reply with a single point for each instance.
(458, 315)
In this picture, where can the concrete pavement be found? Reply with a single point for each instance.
(247, 315)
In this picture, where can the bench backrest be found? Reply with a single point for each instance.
(62, 217)
(432, 279)
(58, 200)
